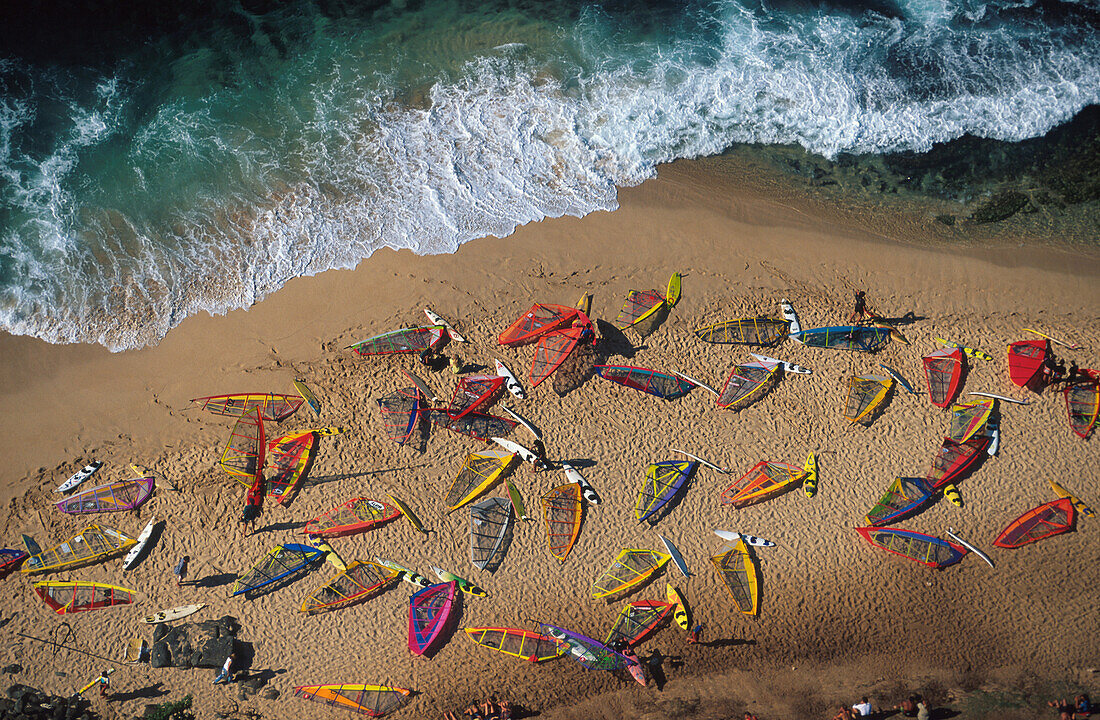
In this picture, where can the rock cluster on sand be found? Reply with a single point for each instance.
(26, 703)
(205, 644)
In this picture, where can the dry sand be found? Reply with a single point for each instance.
(838, 618)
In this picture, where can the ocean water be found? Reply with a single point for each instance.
(156, 165)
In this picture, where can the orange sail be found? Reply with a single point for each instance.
(537, 321)
(562, 509)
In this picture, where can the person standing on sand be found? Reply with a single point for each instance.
(924, 709)
(226, 673)
(861, 311)
(254, 504)
(104, 681)
(695, 635)
(180, 570)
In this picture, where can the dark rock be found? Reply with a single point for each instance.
(214, 653)
(17, 691)
(270, 694)
(179, 644)
(1000, 207)
(254, 683)
(159, 632)
(160, 656)
(946, 219)
(230, 624)
(13, 668)
(58, 712)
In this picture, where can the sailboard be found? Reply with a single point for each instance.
(733, 536)
(410, 576)
(788, 367)
(359, 582)
(968, 418)
(371, 700)
(866, 394)
(925, 549)
(480, 426)
(273, 407)
(331, 556)
(900, 380)
(585, 303)
(94, 544)
(405, 340)
(677, 557)
(401, 413)
(435, 319)
(903, 497)
(663, 480)
(555, 347)
(1027, 363)
(593, 654)
(737, 568)
(1056, 341)
(788, 312)
(764, 480)
(514, 496)
(490, 521)
(969, 351)
(662, 385)
(139, 546)
(429, 611)
(563, 511)
(290, 456)
(80, 476)
(478, 473)
(524, 453)
(408, 513)
(755, 331)
(280, 562)
(630, 569)
(943, 369)
(245, 453)
(537, 321)
(1047, 520)
(354, 516)
(701, 461)
(113, 497)
(65, 598)
(637, 621)
(308, 396)
(972, 548)
(523, 644)
(862, 338)
(10, 559)
(466, 586)
(510, 380)
(1083, 403)
(747, 383)
(573, 475)
(474, 392)
(955, 458)
(1078, 504)
(809, 472)
(679, 606)
(695, 382)
(519, 419)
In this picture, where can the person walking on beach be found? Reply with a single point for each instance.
(226, 673)
(104, 681)
(696, 635)
(254, 504)
(180, 570)
(861, 311)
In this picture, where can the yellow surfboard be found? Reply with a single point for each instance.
(809, 482)
(330, 555)
(310, 398)
(585, 303)
(679, 610)
(1077, 503)
(672, 295)
(409, 514)
(952, 494)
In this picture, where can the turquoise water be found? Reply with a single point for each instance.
(199, 165)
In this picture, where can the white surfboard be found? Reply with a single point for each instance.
(175, 613)
(80, 476)
(515, 447)
(734, 536)
(677, 558)
(693, 380)
(994, 427)
(711, 465)
(951, 534)
(1001, 397)
(510, 380)
(790, 315)
(142, 541)
(440, 321)
(572, 475)
(530, 428)
(787, 367)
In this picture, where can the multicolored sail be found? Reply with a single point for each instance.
(631, 568)
(1047, 520)
(490, 521)
(943, 369)
(354, 516)
(639, 305)
(121, 495)
(968, 418)
(1083, 403)
(429, 611)
(903, 497)
(10, 559)
(955, 458)
(764, 480)
(473, 392)
(862, 338)
(1027, 363)
(405, 340)
(866, 394)
(371, 700)
(554, 348)
(747, 383)
(924, 549)
(522, 644)
(71, 597)
(563, 509)
(360, 581)
(245, 453)
(400, 412)
(736, 567)
(474, 424)
(649, 381)
(280, 562)
(537, 321)
(756, 331)
(478, 473)
(273, 407)
(291, 457)
(593, 654)
(662, 481)
(637, 621)
(93, 544)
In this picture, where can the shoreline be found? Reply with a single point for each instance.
(740, 250)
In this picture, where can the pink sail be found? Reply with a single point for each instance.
(429, 611)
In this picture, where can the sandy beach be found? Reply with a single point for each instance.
(839, 618)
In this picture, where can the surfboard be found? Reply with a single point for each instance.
(80, 476)
(409, 576)
(969, 351)
(1077, 502)
(81, 691)
(308, 396)
(734, 536)
(463, 584)
(573, 475)
(672, 294)
(529, 427)
(1054, 340)
(787, 310)
(408, 513)
(677, 558)
(527, 455)
(693, 380)
(421, 385)
(787, 367)
(698, 459)
(517, 500)
(31, 546)
(901, 381)
(1001, 397)
(136, 550)
(809, 482)
(952, 494)
(951, 534)
(679, 608)
(437, 320)
(510, 380)
(176, 613)
(146, 471)
(585, 303)
(994, 428)
(330, 555)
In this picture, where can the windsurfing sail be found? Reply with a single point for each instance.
(747, 383)
(1027, 363)
(637, 621)
(737, 568)
(371, 700)
(291, 457)
(662, 481)
(554, 348)
(955, 458)
(537, 321)
(478, 473)
(903, 497)
(764, 480)
(968, 418)
(593, 654)
(429, 611)
(474, 424)
(355, 516)
(925, 549)
(71, 597)
(490, 521)
(522, 644)
(562, 509)
(1047, 520)
(400, 413)
(121, 495)
(639, 305)
(863, 338)
(1083, 403)
(244, 454)
(273, 407)
(631, 568)
(10, 559)
(943, 369)
(280, 562)
(474, 392)
(359, 582)
(756, 331)
(866, 394)
(93, 544)
(405, 340)
(656, 383)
